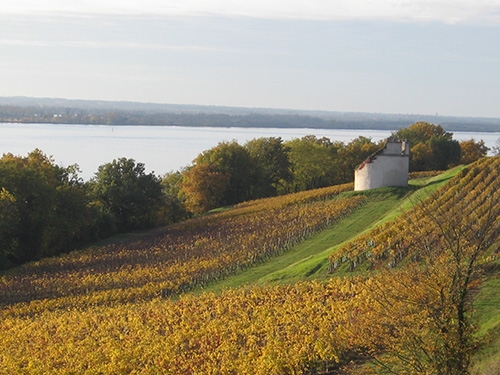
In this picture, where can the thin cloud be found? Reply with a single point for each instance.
(116, 45)
(447, 11)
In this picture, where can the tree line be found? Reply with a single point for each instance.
(98, 116)
(230, 173)
(46, 209)
(63, 111)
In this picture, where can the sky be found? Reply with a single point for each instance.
(384, 56)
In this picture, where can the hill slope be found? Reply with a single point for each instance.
(105, 309)
(309, 259)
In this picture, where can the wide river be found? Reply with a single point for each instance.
(160, 148)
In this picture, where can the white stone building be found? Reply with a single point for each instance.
(387, 167)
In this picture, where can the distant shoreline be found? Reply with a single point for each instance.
(477, 129)
(94, 112)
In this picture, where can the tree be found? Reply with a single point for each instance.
(421, 132)
(126, 195)
(272, 166)
(72, 219)
(422, 157)
(233, 161)
(34, 199)
(315, 163)
(472, 151)
(174, 207)
(9, 225)
(45, 206)
(496, 149)
(204, 187)
(354, 153)
(445, 150)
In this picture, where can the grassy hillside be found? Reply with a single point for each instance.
(308, 260)
(265, 302)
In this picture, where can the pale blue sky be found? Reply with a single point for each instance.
(404, 56)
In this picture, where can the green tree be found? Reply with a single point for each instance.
(353, 154)
(34, 199)
(9, 226)
(422, 157)
(125, 195)
(446, 152)
(315, 163)
(71, 220)
(49, 205)
(272, 166)
(174, 207)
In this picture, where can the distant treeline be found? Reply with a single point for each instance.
(46, 209)
(110, 113)
(77, 116)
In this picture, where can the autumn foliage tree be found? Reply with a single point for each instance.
(472, 151)
(233, 161)
(204, 188)
(432, 148)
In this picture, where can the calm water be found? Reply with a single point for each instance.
(160, 148)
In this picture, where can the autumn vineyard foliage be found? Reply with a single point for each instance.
(181, 256)
(469, 196)
(109, 309)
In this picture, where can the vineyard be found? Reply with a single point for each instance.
(108, 309)
(178, 257)
(467, 200)
(254, 331)
(292, 329)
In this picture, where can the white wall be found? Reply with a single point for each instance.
(384, 170)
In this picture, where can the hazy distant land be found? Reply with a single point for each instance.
(64, 111)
